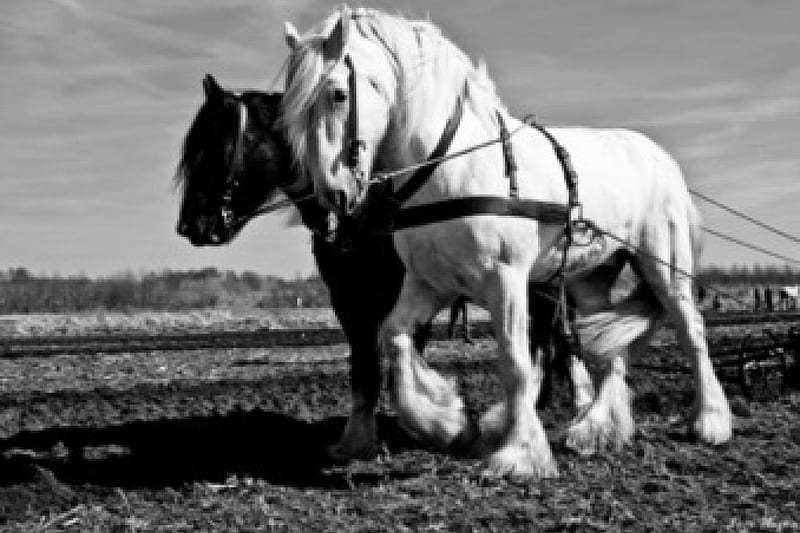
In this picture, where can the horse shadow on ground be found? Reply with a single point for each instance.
(266, 445)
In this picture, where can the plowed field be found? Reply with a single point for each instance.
(233, 439)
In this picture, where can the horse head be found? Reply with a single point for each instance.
(368, 92)
(234, 159)
(337, 115)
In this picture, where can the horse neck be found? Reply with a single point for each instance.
(463, 173)
(426, 119)
(432, 88)
(408, 143)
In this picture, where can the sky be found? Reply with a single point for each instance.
(96, 96)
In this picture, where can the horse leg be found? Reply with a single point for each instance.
(582, 387)
(542, 354)
(581, 384)
(428, 405)
(523, 446)
(360, 434)
(541, 312)
(549, 341)
(607, 423)
(604, 420)
(711, 415)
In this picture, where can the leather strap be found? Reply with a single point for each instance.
(410, 187)
(354, 150)
(541, 211)
(570, 176)
(508, 155)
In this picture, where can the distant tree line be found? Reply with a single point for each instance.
(749, 275)
(23, 292)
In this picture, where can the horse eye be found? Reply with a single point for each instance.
(339, 96)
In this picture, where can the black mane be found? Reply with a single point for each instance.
(209, 140)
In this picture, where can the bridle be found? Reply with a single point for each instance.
(355, 144)
(235, 164)
(231, 182)
(421, 171)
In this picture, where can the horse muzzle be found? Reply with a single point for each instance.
(205, 231)
(346, 199)
(341, 202)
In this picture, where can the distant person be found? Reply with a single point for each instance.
(768, 299)
(756, 299)
(716, 303)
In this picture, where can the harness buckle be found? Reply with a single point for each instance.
(331, 227)
(575, 212)
(227, 216)
(580, 232)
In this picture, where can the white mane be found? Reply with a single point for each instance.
(429, 70)
(304, 76)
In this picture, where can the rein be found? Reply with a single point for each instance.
(379, 177)
(305, 195)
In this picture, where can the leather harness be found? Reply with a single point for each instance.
(393, 217)
(542, 211)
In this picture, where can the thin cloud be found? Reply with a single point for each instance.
(97, 95)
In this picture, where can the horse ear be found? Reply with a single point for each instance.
(292, 37)
(337, 39)
(211, 87)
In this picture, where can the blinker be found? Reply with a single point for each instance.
(356, 144)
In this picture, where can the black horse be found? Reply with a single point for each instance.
(234, 161)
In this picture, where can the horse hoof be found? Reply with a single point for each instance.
(588, 437)
(519, 462)
(713, 426)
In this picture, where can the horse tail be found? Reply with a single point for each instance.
(605, 333)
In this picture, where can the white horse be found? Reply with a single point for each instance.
(403, 79)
